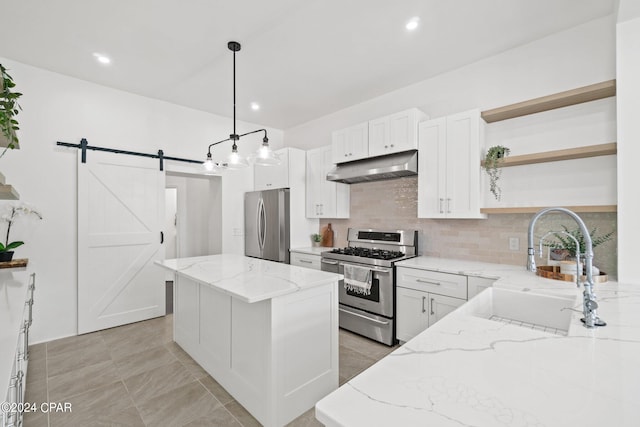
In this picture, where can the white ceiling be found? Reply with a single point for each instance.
(300, 59)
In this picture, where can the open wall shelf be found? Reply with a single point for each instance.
(7, 192)
(551, 102)
(534, 209)
(556, 155)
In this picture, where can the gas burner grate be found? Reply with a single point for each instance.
(369, 252)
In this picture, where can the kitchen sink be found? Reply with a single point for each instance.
(546, 313)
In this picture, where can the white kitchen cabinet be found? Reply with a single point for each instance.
(448, 164)
(16, 318)
(270, 177)
(305, 260)
(351, 143)
(475, 285)
(424, 297)
(418, 310)
(325, 199)
(394, 133)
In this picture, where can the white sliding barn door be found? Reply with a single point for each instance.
(120, 218)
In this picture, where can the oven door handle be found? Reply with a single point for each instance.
(369, 267)
(364, 317)
(329, 262)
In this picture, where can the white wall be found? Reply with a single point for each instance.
(60, 108)
(577, 57)
(199, 214)
(628, 81)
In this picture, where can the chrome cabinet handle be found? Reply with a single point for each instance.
(441, 202)
(431, 304)
(423, 300)
(306, 261)
(448, 205)
(429, 282)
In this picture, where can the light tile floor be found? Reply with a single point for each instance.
(135, 375)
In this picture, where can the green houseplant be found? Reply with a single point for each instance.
(495, 155)
(10, 216)
(316, 239)
(566, 243)
(9, 109)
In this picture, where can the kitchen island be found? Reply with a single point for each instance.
(266, 331)
(467, 370)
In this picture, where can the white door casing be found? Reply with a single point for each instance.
(120, 219)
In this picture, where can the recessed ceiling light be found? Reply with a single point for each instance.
(103, 59)
(413, 23)
(255, 106)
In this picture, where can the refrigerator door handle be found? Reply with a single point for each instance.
(259, 223)
(264, 224)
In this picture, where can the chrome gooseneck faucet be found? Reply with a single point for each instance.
(589, 304)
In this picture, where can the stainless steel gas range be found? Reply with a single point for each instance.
(367, 293)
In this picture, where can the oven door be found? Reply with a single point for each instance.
(380, 300)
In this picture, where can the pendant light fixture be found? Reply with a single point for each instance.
(263, 156)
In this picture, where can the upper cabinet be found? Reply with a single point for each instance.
(270, 177)
(350, 144)
(449, 166)
(325, 199)
(394, 133)
(389, 134)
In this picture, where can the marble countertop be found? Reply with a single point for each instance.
(470, 371)
(248, 279)
(312, 250)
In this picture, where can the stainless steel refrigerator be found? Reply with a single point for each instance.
(266, 224)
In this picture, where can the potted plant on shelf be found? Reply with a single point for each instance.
(11, 214)
(9, 109)
(564, 249)
(316, 239)
(495, 155)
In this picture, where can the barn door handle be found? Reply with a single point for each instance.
(161, 237)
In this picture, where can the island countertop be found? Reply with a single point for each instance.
(248, 279)
(470, 371)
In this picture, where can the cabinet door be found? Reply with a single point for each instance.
(314, 180)
(440, 306)
(476, 285)
(339, 149)
(412, 315)
(358, 141)
(463, 165)
(432, 162)
(403, 131)
(379, 136)
(270, 177)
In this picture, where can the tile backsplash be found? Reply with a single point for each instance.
(393, 204)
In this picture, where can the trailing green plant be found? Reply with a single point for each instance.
(495, 155)
(567, 243)
(9, 109)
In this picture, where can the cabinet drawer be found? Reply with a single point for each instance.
(452, 285)
(305, 260)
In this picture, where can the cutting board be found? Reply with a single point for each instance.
(327, 236)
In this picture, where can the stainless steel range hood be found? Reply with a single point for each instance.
(376, 168)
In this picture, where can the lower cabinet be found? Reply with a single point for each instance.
(15, 326)
(417, 310)
(305, 260)
(423, 297)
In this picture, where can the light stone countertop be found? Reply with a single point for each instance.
(312, 250)
(248, 279)
(470, 371)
